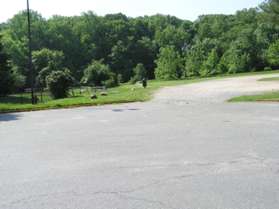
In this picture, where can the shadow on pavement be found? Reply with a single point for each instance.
(8, 117)
(122, 110)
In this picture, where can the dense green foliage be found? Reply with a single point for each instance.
(168, 64)
(139, 73)
(168, 47)
(271, 11)
(99, 74)
(6, 76)
(59, 83)
(121, 94)
(264, 97)
(273, 53)
(45, 61)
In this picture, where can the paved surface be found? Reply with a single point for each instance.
(186, 149)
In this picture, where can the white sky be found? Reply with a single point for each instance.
(185, 9)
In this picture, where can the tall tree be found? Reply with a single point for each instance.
(169, 64)
(241, 42)
(271, 11)
(273, 54)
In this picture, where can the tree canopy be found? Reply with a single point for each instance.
(167, 47)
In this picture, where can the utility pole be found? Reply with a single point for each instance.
(30, 65)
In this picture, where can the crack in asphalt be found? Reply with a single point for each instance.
(162, 204)
(120, 193)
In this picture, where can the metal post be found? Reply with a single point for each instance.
(30, 54)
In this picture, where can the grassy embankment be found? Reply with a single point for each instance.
(122, 94)
(272, 96)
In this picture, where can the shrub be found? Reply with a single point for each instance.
(110, 83)
(59, 83)
(139, 73)
(267, 69)
(209, 67)
(273, 54)
(45, 57)
(41, 78)
(46, 61)
(99, 74)
(120, 78)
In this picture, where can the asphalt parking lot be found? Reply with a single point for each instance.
(185, 149)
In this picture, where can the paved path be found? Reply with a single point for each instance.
(186, 149)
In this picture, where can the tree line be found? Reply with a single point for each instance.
(107, 50)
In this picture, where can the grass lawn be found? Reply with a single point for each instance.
(265, 97)
(123, 94)
(270, 79)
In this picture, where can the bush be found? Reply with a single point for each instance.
(267, 69)
(139, 73)
(99, 74)
(209, 67)
(46, 61)
(44, 57)
(59, 83)
(41, 78)
(120, 78)
(110, 83)
(273, 54)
